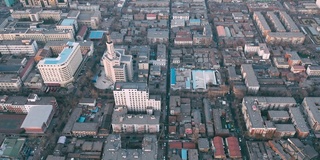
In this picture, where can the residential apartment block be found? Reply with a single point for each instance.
(290, 34)
(60, 71)
(311, 107)
(257, 126)
(251, 80)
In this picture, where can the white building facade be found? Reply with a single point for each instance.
(118, 67)
(28, 47)
(135, 96)
(60, 71)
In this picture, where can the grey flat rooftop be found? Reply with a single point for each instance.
(37, 116)
(297, 116)
(313, 104)
(140, 86)
(278, 114)
(113, 151)
(250, 75)
(120, 116)
(262, 20)
(277, 24)
(85, 127)
(285, 127)
(253, 109)
(72, 119)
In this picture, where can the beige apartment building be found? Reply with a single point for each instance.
(60, 71)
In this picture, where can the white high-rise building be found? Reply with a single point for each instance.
(135, 96)
(60, 71)
(118, 66)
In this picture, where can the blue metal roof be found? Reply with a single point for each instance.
(67, 22)
(188, 83)
(96, 34)
(173, 76)
(184, 154)
(63, 56)
(194, 20)
(82, 119)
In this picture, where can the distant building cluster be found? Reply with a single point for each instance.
(279, 111)
(291, 34)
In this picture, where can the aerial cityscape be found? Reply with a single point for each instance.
(159, 79)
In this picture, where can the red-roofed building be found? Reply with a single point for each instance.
(297, 69)
(233, 147)
(217, 147)
(188, 145)
(175, 145)
(151, 16)
(26, 70)
(82, 33)
(172, 129)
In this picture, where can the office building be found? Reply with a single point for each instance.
(18, 47)
(250, 78)
(122, 122)
(60, 71)
(118, 66)
(311, 107)
(135, 96)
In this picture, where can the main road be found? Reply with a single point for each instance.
(167, 108)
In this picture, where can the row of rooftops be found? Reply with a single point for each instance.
(114, 151)
(32, 99)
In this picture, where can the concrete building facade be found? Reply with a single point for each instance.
(135, 96)
(118, 67)
(60, 71)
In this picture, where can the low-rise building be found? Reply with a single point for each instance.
(261, 49)
(299, 122)
(252, 107)
(68, 24)
(18, 47)
(10, 82)
(203, 145)
(157, 35)
(85, 129)
(233, 147)
(12, 148)
(130, 123)
(278, 116)
(311, 107)
(251, 80)
(285, 130)
(313, 71)
(38, 119)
